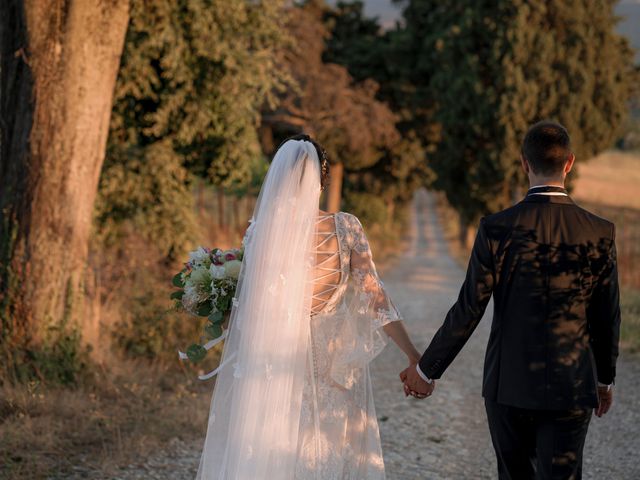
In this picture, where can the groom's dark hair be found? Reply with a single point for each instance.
(547, 147)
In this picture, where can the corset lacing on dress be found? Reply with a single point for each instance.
(324, 268)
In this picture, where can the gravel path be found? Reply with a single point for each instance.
(445, 436)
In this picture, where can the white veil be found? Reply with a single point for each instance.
(255, 410)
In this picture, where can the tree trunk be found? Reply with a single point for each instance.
(202, 211)
(222, 210)
(249, 207)
(467, 234)
(334, 194)
(391, 209)
(58, 66)
(235, 207)
(266, 138)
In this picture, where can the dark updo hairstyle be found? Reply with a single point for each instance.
(322, 157)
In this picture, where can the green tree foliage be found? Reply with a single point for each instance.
(342, 114)
(394, 178)
(193, 77)
(145, 190)
(369, 52)
(486, 70)
(356, 41)
(359, 43)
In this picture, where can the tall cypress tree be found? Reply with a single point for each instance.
(360, 44)
(486, 70)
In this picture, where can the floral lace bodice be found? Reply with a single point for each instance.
(356, 263)
(339, 437)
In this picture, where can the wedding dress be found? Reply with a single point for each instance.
(293, 397)
(339, 436)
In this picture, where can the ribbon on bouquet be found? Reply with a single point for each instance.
(208, 346)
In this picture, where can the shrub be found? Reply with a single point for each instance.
(370, 209)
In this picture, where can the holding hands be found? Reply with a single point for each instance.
(414, 384)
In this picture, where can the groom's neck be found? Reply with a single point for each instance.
(536, 181)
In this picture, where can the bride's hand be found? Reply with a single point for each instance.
(414, 384)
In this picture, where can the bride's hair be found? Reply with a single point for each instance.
(322, 157)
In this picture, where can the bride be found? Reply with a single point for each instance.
(293, 397)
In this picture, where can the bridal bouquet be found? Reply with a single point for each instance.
(206, 288)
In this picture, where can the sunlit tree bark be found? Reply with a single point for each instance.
(58, 66)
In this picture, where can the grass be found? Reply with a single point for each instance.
(388, 242)
(627, 221)
(630, 327)
(135, 397)
(449, 220)
(124, 408)
(114, 416)
(607, 185)
(610, 179)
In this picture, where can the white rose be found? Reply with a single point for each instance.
(217, 271)
(199, 257)
(232, 268)
(200, 279)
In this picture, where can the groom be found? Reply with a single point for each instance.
(550, 361)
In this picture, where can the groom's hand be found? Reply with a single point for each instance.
(605, 400)
(414, 384)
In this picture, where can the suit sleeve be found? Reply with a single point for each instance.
(466, 313)
(604, 317)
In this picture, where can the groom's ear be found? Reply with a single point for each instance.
(570, 162)
(525, 164)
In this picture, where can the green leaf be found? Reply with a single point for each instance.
(216, 317)
(224, 303)
(213, 330)
(196, 352)
(204, 309)
(177, 280)
(177, 295)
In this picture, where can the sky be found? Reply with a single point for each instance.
(628, 10)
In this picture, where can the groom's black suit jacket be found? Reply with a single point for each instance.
(551, 267)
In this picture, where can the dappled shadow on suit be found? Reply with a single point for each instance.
(551, 267)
